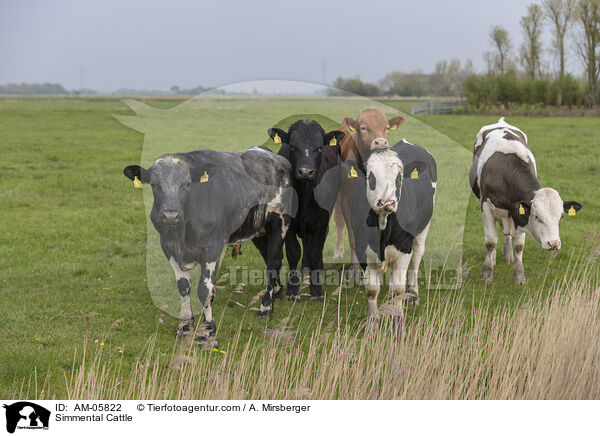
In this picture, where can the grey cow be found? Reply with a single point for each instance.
(205, 200)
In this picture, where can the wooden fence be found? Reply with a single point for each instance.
(446, 107)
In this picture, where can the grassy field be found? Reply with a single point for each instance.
(73, 232)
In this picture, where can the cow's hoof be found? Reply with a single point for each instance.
(316, 298)
(372, 325)
(487, 274)
(397, 326)
(293, 297)
(338, 254)
(185, 328)
(520, 279)
(207, 342)
(412, 298)
(265, 312)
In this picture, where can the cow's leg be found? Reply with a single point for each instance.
(274, 253)
(491, 239)
(206, 294)
(293, 252)
(418, 250)
(354, 270)
(372, 281)
(184, 285)
(519, 271)
(340, 223)
(398, 288)
(507, 249)
(314, 254)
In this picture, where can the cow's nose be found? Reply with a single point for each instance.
(386, 205)
(170, 216)
(553, 245)
(305, 173)
(380, 143)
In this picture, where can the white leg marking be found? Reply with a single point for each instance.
(186, 304)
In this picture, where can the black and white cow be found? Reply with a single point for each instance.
(205, 200)
(314, 155)
(504, 179)
(391, 213)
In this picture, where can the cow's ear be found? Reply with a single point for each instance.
(414, 169)
(520, 213)
(133, 171)
(333, 138)
(568, 205)
(203, 172)
(396, 122)
(350, 123)
(278, 136)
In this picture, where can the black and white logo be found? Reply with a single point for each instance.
(26, 415)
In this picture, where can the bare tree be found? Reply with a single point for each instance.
(502, 46)
(588, 44)
(559, 13)
(532, 44)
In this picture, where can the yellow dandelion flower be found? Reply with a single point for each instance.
(102, 344)
(120, 350)
(117, 325)
(222, 352)
(357, 302)
(215, 350)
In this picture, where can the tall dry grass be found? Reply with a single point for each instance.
(545, 347)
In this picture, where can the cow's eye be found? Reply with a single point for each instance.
(186, 185)
(363, 128)
(387, 128)
(319, 149)
(372, 182)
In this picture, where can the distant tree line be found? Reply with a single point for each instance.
(446, 81)
(524, 78)
(33, 88)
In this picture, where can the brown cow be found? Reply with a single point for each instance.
(367, 133)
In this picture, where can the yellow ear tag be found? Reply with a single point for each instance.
(394, 127)
(276, 139)
(204, 177)
(352, 174)
(351, 128)
(521, 210)
(415, 174)
(136, 183)
(333, 142)
(572, 211)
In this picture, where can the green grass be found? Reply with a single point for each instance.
(73, 232)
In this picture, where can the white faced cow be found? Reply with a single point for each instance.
(392, 207)
(504, 178)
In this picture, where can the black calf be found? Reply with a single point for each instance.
(314, 156)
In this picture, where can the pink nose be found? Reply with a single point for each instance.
(380, 142)
(553, 245)
(387, 205)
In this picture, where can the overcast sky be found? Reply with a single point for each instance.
(157, 44)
